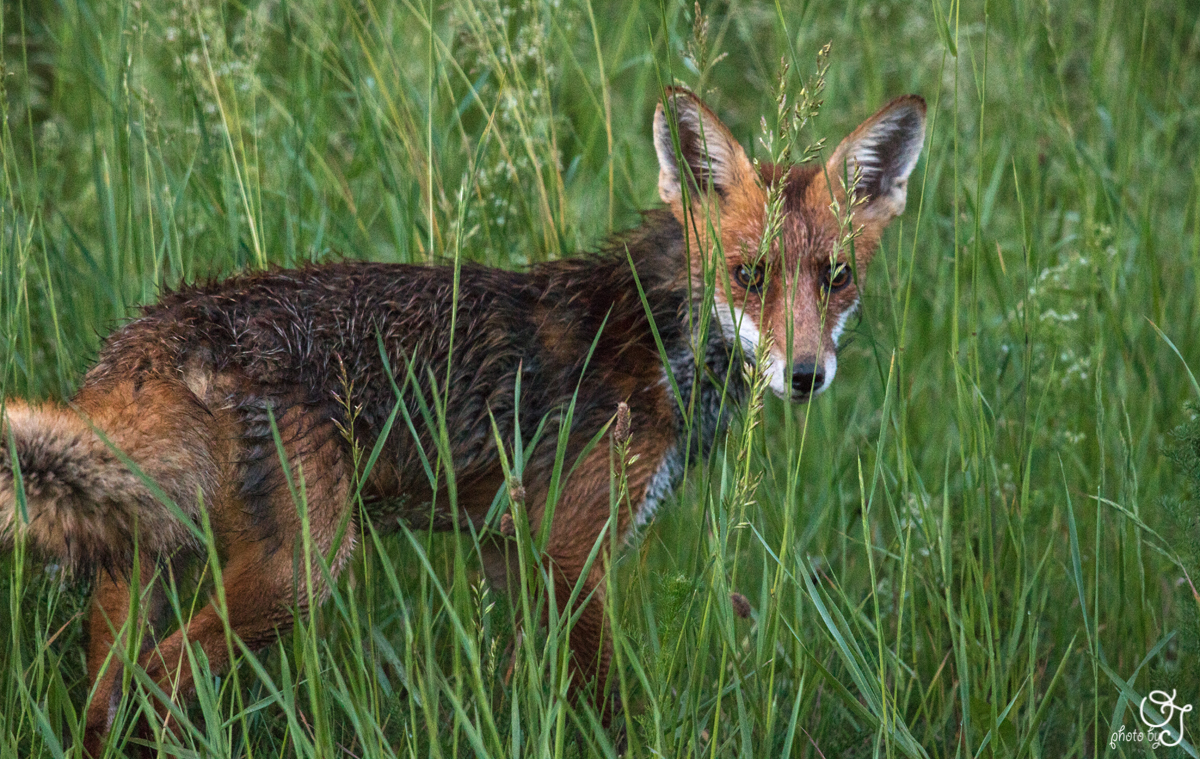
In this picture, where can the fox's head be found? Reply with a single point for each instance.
(800, 294)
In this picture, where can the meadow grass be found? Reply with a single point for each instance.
(976, 543)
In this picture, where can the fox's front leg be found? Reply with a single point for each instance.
(578, 523)
(588, 513)
(590, 636)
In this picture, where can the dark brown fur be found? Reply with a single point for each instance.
(187, 394)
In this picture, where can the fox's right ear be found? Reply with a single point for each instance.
(713, 161)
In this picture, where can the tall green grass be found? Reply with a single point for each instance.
(975, 544)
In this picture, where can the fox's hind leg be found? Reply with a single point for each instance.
(173, 439)
(264, 577)
(107, 630)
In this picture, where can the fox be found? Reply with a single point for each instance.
(209, 404)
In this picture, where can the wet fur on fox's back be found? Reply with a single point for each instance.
(312, 337)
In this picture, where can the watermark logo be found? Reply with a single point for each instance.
(1167, 710)
(1159, 721)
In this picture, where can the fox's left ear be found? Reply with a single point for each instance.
(883, 151)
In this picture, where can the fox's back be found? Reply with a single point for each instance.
(346, 340)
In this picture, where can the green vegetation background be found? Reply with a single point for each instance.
(978, 543)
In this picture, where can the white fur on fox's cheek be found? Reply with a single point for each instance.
(736, 326)
(835, 334)
(839, 326)
(830, 371)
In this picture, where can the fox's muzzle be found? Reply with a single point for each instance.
(808, 379)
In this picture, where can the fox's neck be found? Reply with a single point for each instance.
(636, 305)
(695, 366)
(707, 374)
(711, 387)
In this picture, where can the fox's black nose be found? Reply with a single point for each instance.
(807, 378)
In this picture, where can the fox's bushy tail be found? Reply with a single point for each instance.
(71, 495)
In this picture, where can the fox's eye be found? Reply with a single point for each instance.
(837, 277)
(751, 277)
